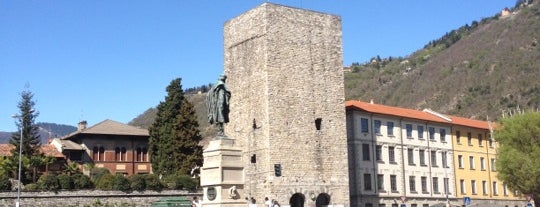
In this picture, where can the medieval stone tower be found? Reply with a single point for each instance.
(284, 68)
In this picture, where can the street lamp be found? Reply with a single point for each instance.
(20, 158)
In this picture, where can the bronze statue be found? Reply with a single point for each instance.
(217, 105)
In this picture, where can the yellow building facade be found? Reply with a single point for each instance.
(475, 155)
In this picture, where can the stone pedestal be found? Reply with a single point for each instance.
(222, 175)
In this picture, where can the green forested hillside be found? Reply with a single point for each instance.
(475, 71)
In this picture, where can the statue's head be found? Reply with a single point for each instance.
(223, 77)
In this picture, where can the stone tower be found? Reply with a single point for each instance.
(284, 68)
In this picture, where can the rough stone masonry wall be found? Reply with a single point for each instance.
(89, 198)
(285, 71)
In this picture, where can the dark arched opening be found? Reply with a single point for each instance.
(322, 200)
(297, 200)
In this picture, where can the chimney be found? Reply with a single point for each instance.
(81, 126)
(371, 101)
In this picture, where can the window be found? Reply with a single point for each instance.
(462, 186)
(408, 127)
(431, 133)
(410, 156)
(369, 205)
(420, 130)
(460, 161)
(142, 154)
(395, 205)
(414, 205)
(365, 152)
(422, 156)
(98, 154)
(367, 181)
(458, 137)
(391, 155)
(495, 191)
(505, 189)
(480, 140)
(423, 181)
(490, 143)
(364, 125)
(473, 187)
(123, 154)
(380, 182)
(471, 162)
(393, 183)
(425, 205)
(378, 153)
(482, 164)
(493, 165)
(95, 153)
(469, 138)
(434, 158)
(446, 186)
(484, 187)
(412, 184)
(435, 185)
(390, 128)
(442, 133)
(117, 154)
(377, 124)
(382, 205)
(444, 158)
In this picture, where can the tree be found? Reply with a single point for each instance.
(174, 135)
(518, 157)
(26, 123)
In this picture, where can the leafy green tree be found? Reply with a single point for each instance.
(48, 182)
(174, 135)
(518, 156)
(81, 181)
(121, 183)
(26, 123)
(65, 181)
(137, 182)
(34, 162)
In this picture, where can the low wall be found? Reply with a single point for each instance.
(89, 198)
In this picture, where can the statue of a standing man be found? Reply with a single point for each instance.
(217, 105)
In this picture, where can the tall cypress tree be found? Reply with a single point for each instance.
(174, 135)
(26, 122)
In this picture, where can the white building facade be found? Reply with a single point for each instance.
(398, 156)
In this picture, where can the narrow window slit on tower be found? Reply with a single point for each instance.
(318, 123)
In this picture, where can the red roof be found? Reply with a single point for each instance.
(47, 149)
(470, 122)
(415, 114)
(393, 111)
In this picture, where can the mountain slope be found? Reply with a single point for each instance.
(493, 68)
(46, 131)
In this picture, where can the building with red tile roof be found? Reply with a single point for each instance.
(425, 156)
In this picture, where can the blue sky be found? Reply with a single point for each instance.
(97, 60)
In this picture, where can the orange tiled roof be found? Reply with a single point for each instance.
(5, 149)
(415, 114)
(394, 111)
(470, 122)
(47, 149)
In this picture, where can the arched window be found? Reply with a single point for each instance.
(101, 155)
(144, 155)
(117, 155)
(123, 154)
(139, 154)
(95, 153)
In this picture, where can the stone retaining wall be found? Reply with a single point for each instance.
(84, 198)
